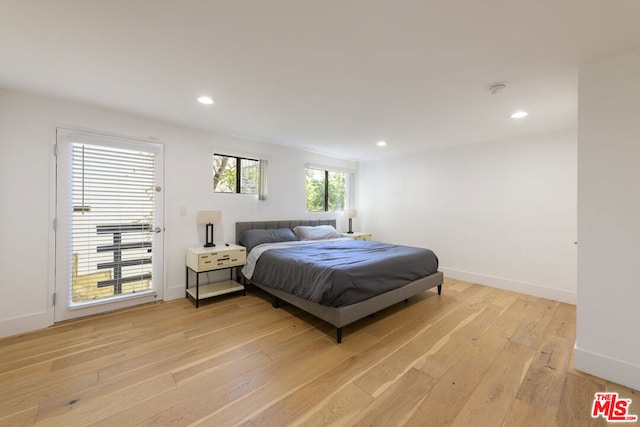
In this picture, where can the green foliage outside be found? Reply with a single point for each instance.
(224, 181)
(337, 191)
(315, 190)
(249, 176)
(224, 175)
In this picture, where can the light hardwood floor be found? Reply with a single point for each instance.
(474, 356)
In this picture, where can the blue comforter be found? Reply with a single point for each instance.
(342, 272)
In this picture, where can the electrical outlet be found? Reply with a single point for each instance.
(183, 211)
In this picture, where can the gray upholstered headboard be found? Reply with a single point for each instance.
(241, 226)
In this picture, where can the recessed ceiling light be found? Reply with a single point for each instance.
(519, 115)
(381, 144)
(205, 100)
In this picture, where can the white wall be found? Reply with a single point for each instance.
(609, 220)
(27, 194)
(501, 213)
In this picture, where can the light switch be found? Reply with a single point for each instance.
(183, 211)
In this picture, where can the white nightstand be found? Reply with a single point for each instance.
(219, 257)
(357, 235)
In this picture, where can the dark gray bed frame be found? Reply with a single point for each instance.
(339, 316)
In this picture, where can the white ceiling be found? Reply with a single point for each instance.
(330, 76)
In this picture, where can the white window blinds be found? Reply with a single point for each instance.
(112, 192)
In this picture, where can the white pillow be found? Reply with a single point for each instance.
(318, 232)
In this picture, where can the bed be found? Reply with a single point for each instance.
(280, 274)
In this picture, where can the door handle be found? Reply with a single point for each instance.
(157, 230)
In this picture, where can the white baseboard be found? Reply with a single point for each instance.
(22, 324)
(512, 285)
(32, 322)
(617, 371)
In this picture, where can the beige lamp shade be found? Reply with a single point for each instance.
(352, 213)
(209, 217)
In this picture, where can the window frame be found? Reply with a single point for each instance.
(238, 180)
(348, 176)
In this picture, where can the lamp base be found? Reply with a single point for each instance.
(350, 230)
(209, 236)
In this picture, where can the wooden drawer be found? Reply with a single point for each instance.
(203, 259)
(363, 237)
(206, 261)
(212, 261)
(358, 235)
(238, 257)
(215, 260)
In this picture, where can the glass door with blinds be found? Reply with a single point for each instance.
(108, 223)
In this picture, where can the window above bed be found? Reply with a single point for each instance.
(327, 190)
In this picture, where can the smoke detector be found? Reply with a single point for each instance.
(496, 88)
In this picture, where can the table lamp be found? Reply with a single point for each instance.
(351, 213)
(209, 218)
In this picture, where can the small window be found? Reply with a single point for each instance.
(235, 174)
(326, 190)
